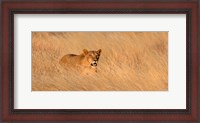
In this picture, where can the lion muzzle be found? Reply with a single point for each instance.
(94, 64)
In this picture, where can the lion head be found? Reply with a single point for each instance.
(92, 57)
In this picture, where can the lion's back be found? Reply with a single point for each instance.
(70, 60)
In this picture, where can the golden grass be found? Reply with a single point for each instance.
(130, 61)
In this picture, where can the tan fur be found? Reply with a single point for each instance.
(86, 62)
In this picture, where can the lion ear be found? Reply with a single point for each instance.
(99, 51)
(85, 52)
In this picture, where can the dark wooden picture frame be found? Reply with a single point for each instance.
(188, 7)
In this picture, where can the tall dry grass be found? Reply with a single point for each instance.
(130, 61)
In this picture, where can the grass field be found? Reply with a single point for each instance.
(130, 61)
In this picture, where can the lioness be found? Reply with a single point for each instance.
(85, 62)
